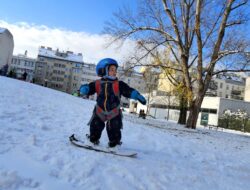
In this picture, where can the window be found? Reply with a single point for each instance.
(208, 110)
(78, 65)
(221, 85)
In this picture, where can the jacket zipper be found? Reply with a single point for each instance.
(106, 96)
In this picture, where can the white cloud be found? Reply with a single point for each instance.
(30, 37)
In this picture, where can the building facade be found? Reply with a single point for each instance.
(6, 47)
(214, 107)
(228, 85)
(89, 75)
(58, 70)
(23, 64)
(134, 80)
(247, 90)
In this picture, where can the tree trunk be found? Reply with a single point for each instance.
(194, 112)
(183, 111)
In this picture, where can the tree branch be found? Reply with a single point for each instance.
(239, 5)
(218, 43)
(174, 24)
(199, 44)
(231, 70)
(237, 22)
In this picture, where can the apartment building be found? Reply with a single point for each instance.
(89, 75)
(58, 69)
(247, 90)
(23, 64)
(6, 47)
(134, 80)
(228, 85)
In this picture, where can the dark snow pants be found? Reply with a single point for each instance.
(113, 128)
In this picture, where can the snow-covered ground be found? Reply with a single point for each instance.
(35, 123)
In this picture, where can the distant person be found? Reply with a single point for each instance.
(4, 70)
(142, 114)
(107, 110)
(24, 76)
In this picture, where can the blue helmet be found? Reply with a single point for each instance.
(102, 66)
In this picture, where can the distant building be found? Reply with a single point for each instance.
(22, 64)
(89, 75)
(6, 47)
(228, 85)
(226, 91)
(59, 70)
(134, 80)
(214, 107)
(247, 90)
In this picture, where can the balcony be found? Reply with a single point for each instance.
(236, 93)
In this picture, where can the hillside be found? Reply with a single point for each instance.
(35, 123)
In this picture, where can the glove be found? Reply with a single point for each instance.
(137, 96)
(84, 89)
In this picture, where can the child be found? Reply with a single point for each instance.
(107, 110)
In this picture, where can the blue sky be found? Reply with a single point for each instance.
(74, 15)
(74, 25)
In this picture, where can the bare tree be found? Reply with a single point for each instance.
(208, 36)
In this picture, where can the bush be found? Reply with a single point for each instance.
(238, 120)
(235, 123)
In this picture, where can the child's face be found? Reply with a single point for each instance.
(112, 71)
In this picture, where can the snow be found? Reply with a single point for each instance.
(35, 123)
(70, 56)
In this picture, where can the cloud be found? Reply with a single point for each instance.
(92, 46)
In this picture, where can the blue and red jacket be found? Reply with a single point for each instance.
(109, 93)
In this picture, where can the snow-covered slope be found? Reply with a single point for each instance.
(35, 123)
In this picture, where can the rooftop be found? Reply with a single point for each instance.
(56, 54)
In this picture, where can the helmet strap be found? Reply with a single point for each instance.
(107, 70)
(109, 77)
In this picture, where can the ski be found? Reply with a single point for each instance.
(78, 143)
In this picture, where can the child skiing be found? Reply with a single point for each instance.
(107, 110)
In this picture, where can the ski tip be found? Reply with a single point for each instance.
(72, 138)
